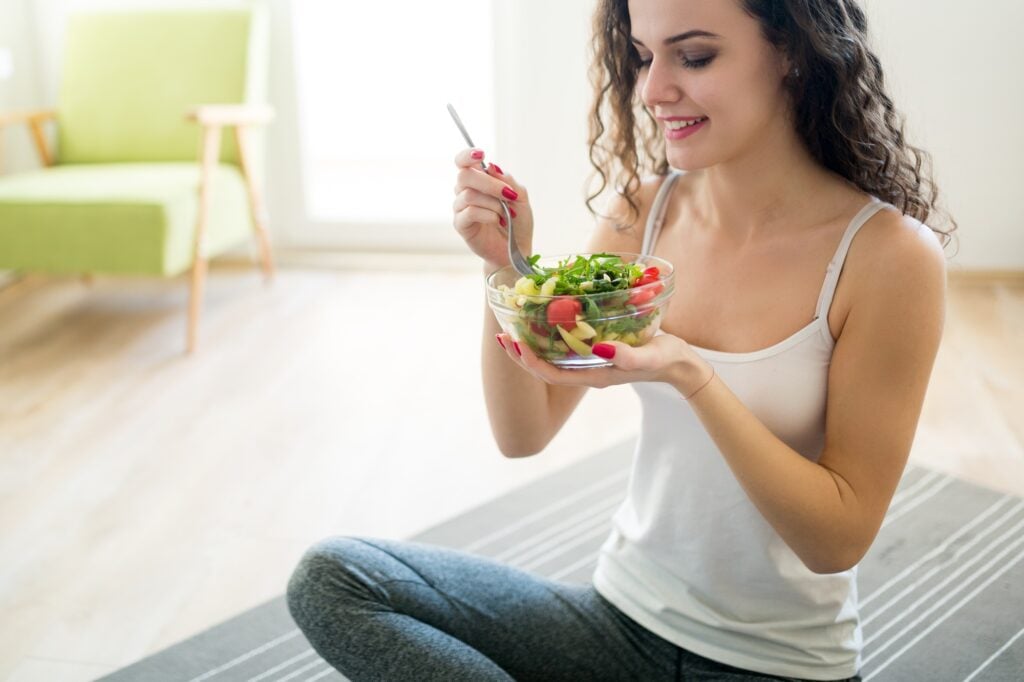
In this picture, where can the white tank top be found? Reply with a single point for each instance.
(689, 556)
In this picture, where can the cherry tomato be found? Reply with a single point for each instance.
(563, 311)
(638, 298)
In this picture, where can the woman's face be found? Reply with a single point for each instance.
(709, 77)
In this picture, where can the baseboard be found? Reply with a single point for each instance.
(986, 276)
(377, 260)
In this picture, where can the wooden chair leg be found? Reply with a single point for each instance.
(210, 154)
(195, 302)
(256, 206)
(39, 139)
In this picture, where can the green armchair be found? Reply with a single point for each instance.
(142, 180)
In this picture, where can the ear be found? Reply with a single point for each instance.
(785, 64)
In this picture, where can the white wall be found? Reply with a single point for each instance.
(21, 91)
(541, 129)
(952, 67)
(543, 100)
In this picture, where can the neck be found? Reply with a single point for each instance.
(762, 190)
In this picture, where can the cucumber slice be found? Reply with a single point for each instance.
(582, 330)
(548, 288)
(578, 346)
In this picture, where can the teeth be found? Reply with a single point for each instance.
(677, 125)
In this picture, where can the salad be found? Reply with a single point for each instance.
(562, 311)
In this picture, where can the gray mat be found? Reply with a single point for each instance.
(942, 589)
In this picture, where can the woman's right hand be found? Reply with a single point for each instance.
(478, 213)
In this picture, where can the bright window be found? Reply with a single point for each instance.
(373, 79)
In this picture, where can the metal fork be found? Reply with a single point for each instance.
(515, 256)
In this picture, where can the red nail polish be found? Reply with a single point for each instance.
(509, 193)
(501, 221)
(512, 211)
(497, 337)
(519, 351)
(497, 169)
(604, 350)
(477, 155)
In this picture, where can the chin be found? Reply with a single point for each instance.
(688, 161)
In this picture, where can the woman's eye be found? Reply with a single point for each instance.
(697, 62)
(687, 62)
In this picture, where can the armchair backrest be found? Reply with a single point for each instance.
(130, 77)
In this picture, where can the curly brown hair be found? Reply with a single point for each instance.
(841, 108)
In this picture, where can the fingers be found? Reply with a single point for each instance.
(626, 358)
(494, 170)
(493, 181)
(470, 157)
(521, 354)
(649, 360)
(474, 216)
(479, 193)
(471, 198)
(488, 183)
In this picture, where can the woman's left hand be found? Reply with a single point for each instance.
(664, 358)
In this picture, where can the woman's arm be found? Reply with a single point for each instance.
(830, 511)
(526, 412)
(522, 411)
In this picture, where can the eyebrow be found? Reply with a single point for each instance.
(696, 33)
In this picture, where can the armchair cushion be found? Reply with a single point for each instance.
(130, 77)
(135, 218)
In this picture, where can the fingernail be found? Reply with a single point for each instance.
(502, 222)
(509, 193)
(604, 350)
(497, 168)
(512, 211)
(497, 337)
(519, 351)
(477, 155)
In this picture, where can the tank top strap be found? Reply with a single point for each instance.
(835, 266)
(656, 217)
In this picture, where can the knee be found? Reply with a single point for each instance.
(323, 578)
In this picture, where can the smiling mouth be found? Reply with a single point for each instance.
(679, 125)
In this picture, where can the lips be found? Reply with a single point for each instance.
(679, 122)
(679, 127)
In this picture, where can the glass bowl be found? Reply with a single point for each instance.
(631, 316)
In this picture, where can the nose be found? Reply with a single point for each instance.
(657, 86)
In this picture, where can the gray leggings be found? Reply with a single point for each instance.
(385, 610)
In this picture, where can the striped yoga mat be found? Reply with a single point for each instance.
(942, 589)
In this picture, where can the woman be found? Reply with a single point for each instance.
(780, 401)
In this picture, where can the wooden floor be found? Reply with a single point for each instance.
(146, 495)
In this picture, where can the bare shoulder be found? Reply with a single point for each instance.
(883, 359)
(894, 252)
(620, 228)
(895, 275)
